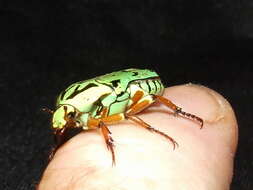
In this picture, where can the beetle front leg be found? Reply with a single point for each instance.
(60, 139)
(178, 110)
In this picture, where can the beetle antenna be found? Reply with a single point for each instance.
(47, 110)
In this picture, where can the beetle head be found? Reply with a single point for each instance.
(65, 116)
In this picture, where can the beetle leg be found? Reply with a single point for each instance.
(178, 110)
(140, 105)
(137, 96)
(60, 139)
(48, 110)
(148, 127)
(100, 123)
(108, 139)
(93, 123)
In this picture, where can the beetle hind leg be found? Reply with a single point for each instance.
(178, 111)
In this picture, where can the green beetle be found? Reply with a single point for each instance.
(97, 102)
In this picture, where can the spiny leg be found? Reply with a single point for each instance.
(60, 139)
(178, 110)
(108, 139)
(94, 123)
(139, 106)
(148, 127)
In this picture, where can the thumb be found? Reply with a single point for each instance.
(145, 160)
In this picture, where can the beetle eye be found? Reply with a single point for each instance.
(71, 115)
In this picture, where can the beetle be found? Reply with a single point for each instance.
(111, 98)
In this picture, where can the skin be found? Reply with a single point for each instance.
(145, 160)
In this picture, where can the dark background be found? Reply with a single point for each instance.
(45, 46)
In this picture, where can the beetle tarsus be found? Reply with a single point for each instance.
(178, 111)
(191, 116)
(175, 144)
(52, 153)
(60, 139)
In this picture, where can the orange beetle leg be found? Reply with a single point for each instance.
(178, 110)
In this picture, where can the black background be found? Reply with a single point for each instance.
(45, 46)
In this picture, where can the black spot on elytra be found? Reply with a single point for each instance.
(115, 83)
(135, 73)
(99, 104)
(121, 93)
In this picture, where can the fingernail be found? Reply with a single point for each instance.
(218, 109)
(209, 105)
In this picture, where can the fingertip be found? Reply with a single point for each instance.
(209, 105)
